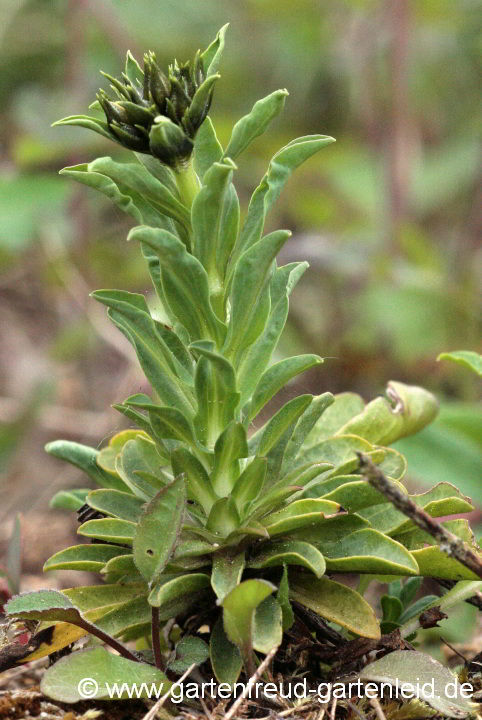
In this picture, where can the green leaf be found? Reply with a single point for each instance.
(354, 494)
(211, 57)
(137, 179)
(99, 596)
(267, 626)
(168, 423)
(139, 466)
(298, 514)
(109, 530)
(225, 657)
(158, 530)
(69, 499)
(207, 148)
(251, 126)
(90, 558)
(250, 297)
(331, 530)
(417, 607)
(290, 552)
(215, 221)
(392, 608)
(345, 407)
(217, 397)
(161, 172)
(336, 603)
(382, 422)
(85, 121)
(224, 517)
(283, 597)
(256, 358)
(85, 458)
(304, 426)
(199, 487)
(443, 499)
(227, 572)
(43, 605)
(129, 312)
(238, 614)
(118, 567)
(420, 668)
(61, 682)
(185, 284)
(119, 505)
(249, 484)
(467, 358)
(231, 445)
(280, 168)
(171, 589)
(190, 650)
(369, 551)
(107, 456)
(267, 437)
(276, 377)
(433, 562)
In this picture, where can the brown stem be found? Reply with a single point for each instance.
(156, 641)
(107, 639)
(448, 543)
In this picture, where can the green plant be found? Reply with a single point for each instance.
(196, 515)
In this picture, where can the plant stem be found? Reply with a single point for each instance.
(107, 639)
(448, 543)
(156, 642)
(463, 590)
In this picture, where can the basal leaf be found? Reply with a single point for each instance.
(290, 552)
(190, 650)
(283, 597)
(336, 603)
(238, 613)
(69, 499)
(268, 625)
(225, 656)
(119, 505)
(199, 487)
(85, 458)
(109, 530)
(171, 589)
(249, 483)
(298, 514)
(344, 408)
(230, 447)
(90, 558)
(227, 571)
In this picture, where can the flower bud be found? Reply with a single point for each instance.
(169, 143)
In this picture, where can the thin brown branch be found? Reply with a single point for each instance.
(156, 640)
(448, 543)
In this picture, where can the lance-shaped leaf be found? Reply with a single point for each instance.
(227, 571)
(421, 670)
(290, 552)
(225, 657)
(255, 123)
(211, 57)
(111, 530)
(256, 358)
(107, 456)
(196, 111)
(171, 589)
(280, 168)
(224, 518)
(85, 458)
(215, 224)
(238, 614)
(368, 551)
(185, 284)
(268, 436)
(217, 397)
(136, 178)
(298, 514)
(330, 530)
(63, 681)
(382, 422)
(268, 625)
(129, 312)
(118, 567)
(170, 424)
(336, 603)
(283, 597)
(126, 199)
(276, 377)
(159, 529)
(230, 447)
(249, 484)
(86, 121)
(90, 558)
(161, 172)
(304, 426)
(117, 504)
(199, 487)
(207, 148)
(250, 297)
(352, 493)
(467, 358)
(69, 499)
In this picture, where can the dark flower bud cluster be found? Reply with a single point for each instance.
(156, 113)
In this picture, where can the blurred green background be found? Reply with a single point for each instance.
(387, 217)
